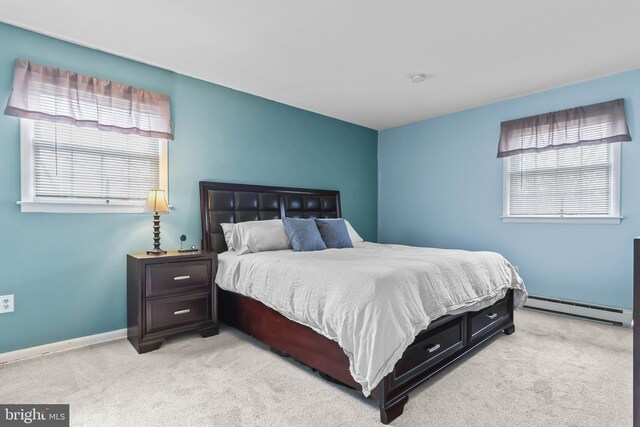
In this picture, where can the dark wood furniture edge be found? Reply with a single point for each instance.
(636, 332)
(291, 339)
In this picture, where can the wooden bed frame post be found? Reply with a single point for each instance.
(390, 408)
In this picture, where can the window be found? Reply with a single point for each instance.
(87, 144)
(66, 168)
(579, 183)
(564, 166)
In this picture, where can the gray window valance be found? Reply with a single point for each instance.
(601, 123)
(51, 94)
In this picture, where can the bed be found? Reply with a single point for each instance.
(395, 365)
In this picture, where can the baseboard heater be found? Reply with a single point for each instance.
(599, 313)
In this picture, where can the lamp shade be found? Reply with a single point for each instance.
(156, 202)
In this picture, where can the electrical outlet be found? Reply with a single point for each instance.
(6, 304)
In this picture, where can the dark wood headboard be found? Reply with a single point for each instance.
(222, 202)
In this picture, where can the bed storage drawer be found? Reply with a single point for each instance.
(178, 277)
(483, 320)
(429, 348)
(170, 313)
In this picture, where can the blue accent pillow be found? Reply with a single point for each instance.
(304, 234)
(334, 233)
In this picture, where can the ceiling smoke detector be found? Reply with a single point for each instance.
(418, 77)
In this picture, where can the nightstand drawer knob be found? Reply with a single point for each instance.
(491, 315)
(182, 277)
(185, 311)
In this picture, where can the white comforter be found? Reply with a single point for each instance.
(373, 299)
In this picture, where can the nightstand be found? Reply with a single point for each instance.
(169, 294)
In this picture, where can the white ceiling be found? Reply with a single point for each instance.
(351, 59)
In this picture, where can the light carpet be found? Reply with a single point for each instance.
(554, 371)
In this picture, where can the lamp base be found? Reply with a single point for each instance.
(156, 237)
(157, 251)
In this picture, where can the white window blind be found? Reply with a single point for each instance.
(563, 182)
(85, 163)
(571, 181)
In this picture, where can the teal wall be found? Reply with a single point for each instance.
(67, 271)
(440, 184)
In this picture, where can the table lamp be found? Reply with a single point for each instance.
(157, 204)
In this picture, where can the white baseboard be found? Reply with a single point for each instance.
(41, 350)
(599, 313)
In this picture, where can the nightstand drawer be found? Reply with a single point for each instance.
(178, 277)
(171, 313)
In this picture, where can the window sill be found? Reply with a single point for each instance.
(535, 219)
(75, 207)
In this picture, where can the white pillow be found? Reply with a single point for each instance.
(259, 236)
(227, 229)
(355, 237)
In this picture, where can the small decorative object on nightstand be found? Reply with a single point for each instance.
(157, 204)
(183, 238)
(168, 294)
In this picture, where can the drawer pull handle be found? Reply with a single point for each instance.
(432, 348)
(185, 311)
(182, 277)
(492, 315)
